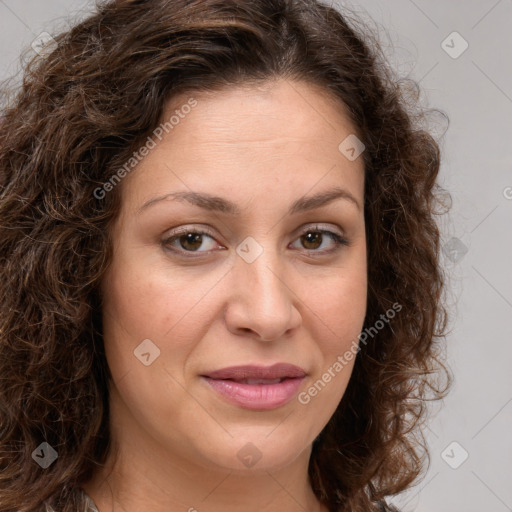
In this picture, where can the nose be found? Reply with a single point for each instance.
(262, 301)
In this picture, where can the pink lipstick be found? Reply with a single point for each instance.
(257, 387)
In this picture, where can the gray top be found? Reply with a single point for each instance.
(89, 505)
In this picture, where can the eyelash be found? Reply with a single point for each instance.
(339, 241)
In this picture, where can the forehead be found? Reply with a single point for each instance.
(271, 111)
(279, 136)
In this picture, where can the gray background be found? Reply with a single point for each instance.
(475, 90)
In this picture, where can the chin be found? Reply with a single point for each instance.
(256, 449)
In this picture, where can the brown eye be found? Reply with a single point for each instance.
(191, 241)
(188, 241)
(313, 238)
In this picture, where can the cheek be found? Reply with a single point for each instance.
(339, 318)
(347, 308)
(133, 311)
(340, 309)
(144, 300)
(148, 299)
(340, 305)
(148, 337)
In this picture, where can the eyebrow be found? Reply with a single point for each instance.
(218, 204)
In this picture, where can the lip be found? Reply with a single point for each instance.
(257, 396)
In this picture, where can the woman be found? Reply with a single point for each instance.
(220, 276)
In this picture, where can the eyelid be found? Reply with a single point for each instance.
(318, 226)
(199, 228)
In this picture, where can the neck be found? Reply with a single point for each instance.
(146, 478)
(132, 487)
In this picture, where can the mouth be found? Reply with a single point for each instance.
(253, 382)
(257, 387)
(264, 373)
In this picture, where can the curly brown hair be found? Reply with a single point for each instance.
(80, 113)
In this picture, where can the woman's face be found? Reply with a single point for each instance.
(245, 269)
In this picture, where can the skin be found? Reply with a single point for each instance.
(262, 148)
